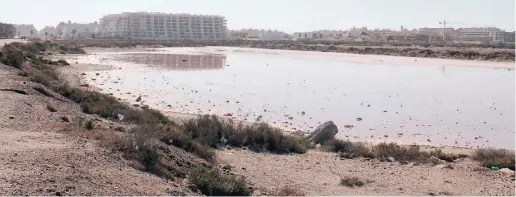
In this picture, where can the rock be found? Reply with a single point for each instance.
(349, 126)
(64, 119)
(303, 113)
(145, 107)
(11, 117)
(323, 133)
(97, 74)
(391, 159)
(436, 161)
(51, 108)
(120, 129)
(228, 114)
(318, 146)
(83, 73)
(359, 119)
(136, 105)
(139, 99)
(347, 155)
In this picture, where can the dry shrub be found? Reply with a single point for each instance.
(214, 131)
(212, 182)
(288, 191)
(490, 157)
(351, 181)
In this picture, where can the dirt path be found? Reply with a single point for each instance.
(319, 173)
(36, 159)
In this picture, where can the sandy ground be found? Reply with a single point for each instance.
(38, 159)
(319, 173)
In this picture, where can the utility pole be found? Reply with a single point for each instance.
(444, 29)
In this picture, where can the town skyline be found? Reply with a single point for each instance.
(302, 15)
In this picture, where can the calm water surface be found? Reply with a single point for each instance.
(462, 106)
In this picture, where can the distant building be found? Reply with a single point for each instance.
(25, 30)
(161, 26)
(447, 34)
(50, 30)
(66, 30)
(481, 34)
(321, 35)
(256, 34)
(509, 36)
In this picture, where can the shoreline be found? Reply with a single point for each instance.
(177, 115)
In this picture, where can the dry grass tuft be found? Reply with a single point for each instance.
(351, 181)
(490, 157)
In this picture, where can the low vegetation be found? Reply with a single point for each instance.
(387, 151)
(214, 132)
(287, 191)
(212, 182)
(490, 157)
(351, 181)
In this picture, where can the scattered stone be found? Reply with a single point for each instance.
(120, 129)
(228, 114)
(227, 167)
(11, 117)
(51, 108)
(145, 107)
(384, 110)
(97, 74)
(83, 73)
(64, 118)
(303, 113)
(447, 166)
(136, 105)
(323, 133)
(349, 126)
(359, 119)
(139, 98)
(391, 159)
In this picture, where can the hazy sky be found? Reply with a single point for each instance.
(284, 15)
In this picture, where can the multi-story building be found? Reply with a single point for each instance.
(481, 34)
(26, 30)
(161, 26)
(447, 34)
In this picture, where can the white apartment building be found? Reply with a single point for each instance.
(161, 26)
(482, 34)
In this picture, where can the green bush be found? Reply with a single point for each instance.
(212, 182)
(88, 125)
